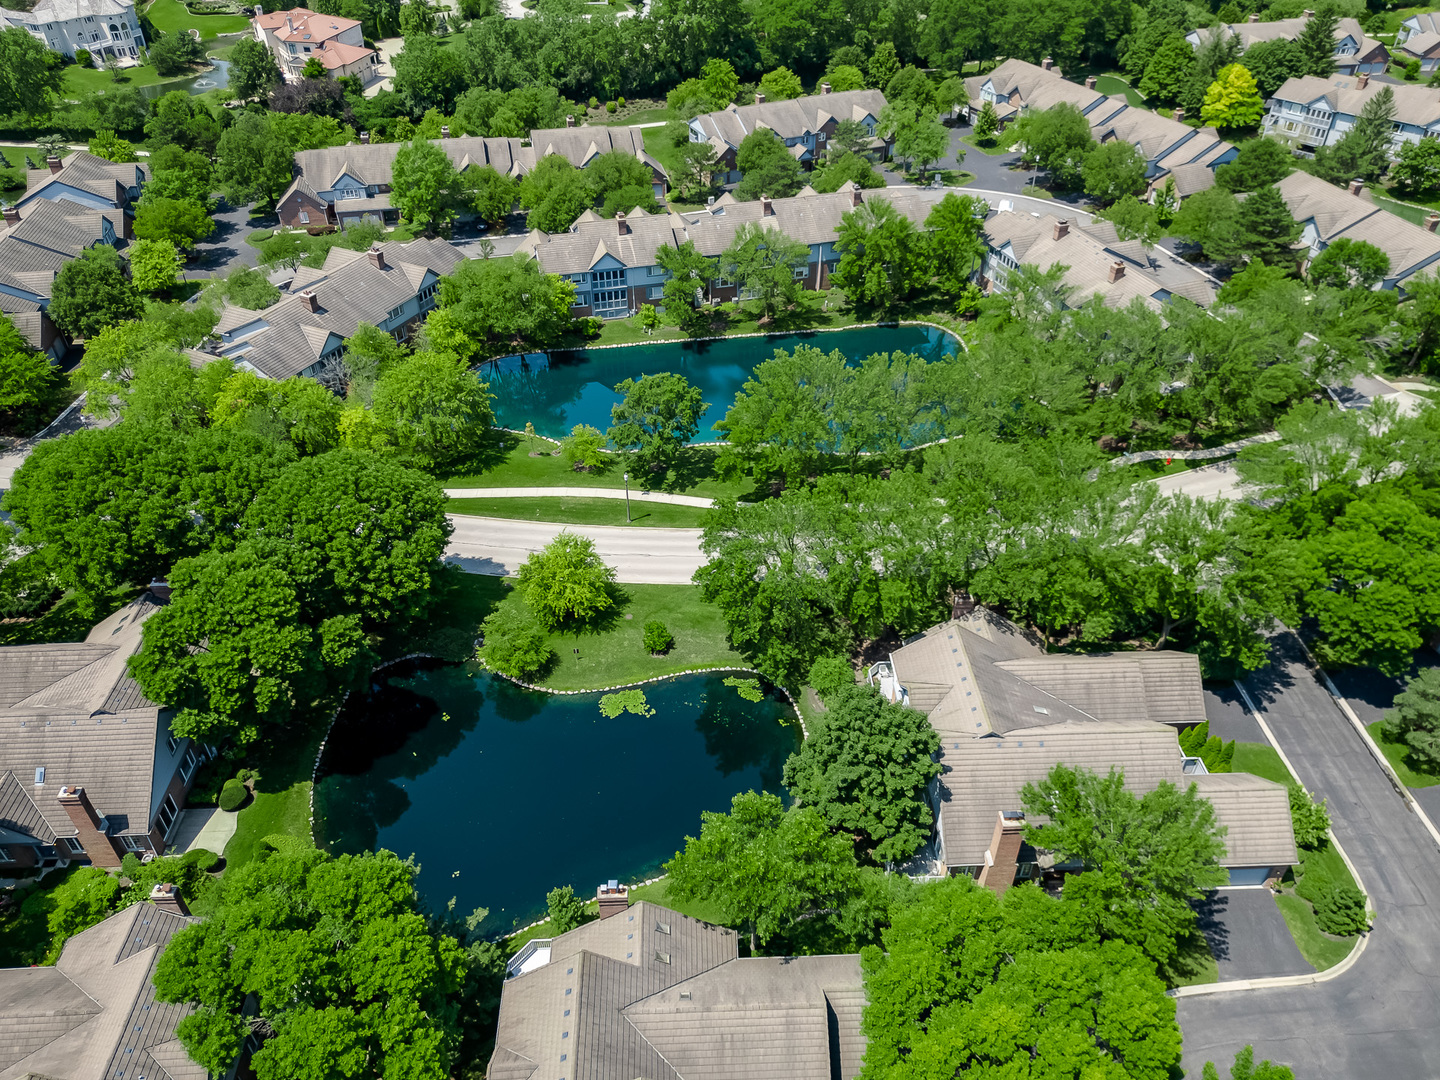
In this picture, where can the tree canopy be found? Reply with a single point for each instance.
(567, 581)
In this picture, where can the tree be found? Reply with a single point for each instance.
(883, 258)
(153, 265)
(1057, 138)
(426, 185)
(764, 867)
(1245, 1068)
(846, 168)
(566, 910)
(657, 416)
(1208, 219)
(781, 85)
(433, 406)
(1169, 70)
(555, 193)
(514, 643)
(489, 307)
(584, 448)
(428, 76)
(248, 288)
(953, 227)
(29, 382)
(1415, 719)
(1310, 820)
(253, 71)
(766, 167)
(1217, 49)
(111, 147)
(911, 84)
(688, 275)
(1264, 229)
(176, 52)
(1259, 163)
(867, 770)
(1113, 170)
(1272, 63)
(919, 137)
(849, 137)
(91, 293)
(332, 956)
(177, 173)
(1232, 100)
(764, 262)
(180, 222)
(567, 582)
(179, 119)
(1135, 220)
(488, 193)
(1363, 151)
(1349, 264)
(1316, 43)
(987, 124)
(1145, 857)
(29, 77)
(698, 163)
(314, 69)
(298, 410)
(842, 77)
(884, 64)
(1417, 172)
(255, 164)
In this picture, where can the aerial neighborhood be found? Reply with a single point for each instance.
(647, 540)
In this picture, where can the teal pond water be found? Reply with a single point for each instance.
(501, 793)
(556, 391)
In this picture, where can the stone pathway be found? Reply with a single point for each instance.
(577, 493)
(208, 828)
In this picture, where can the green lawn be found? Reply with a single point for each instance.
(659, 146)
(638, 116)
(572, 511)
(1193, 965)
(1113, 84)
(1319, 948)
(282, 793)
(88, 80)
(1415, 214)
(506, 462)
(1260, 759)
(1398, 754)
(170, 16)
(659, 893)
(613, 654)
(999, 145)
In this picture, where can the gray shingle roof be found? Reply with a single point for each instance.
(1160, 686)
(1256, 813)
(82, 169)
(1336, 213)
(790, 119)
(1414, 104)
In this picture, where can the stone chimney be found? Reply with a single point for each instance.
(444, 131)
(623, 225)
(376, 257)
(1089, 82)
(1357, 186)
(1048, 64)
(54, 163)
(308, 298)
(1117, 271)
(1431, 221)
(613, 898)
(759, 99)
(1254, 18)
(167, 898)
(1179, 116)
(856, 196)
(364, 138)
(766, 210)
(12, 215)
(569, 121)
(1062, 228)
(1362, 81)
(824, 88)
(90, 826)
(1002, 860)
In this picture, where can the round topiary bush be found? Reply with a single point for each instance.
(658, 638)
(204, 860)
(233, 796)
(594, 102)
(610, 106)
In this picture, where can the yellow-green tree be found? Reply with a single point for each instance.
(1233, 99)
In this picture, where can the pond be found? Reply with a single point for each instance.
(216, 78)
(502, 793)
(556, 391)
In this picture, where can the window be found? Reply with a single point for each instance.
(168, 812)
(395, 312)
(187, 767)
(39, 775)
(801, 273)
(72, 845)
(304, 218)
(616, 300)
(609, 277)
(173, 743)
(662, 957)
(136, 843)
(656, 271)
(656, 292)
(662, 927)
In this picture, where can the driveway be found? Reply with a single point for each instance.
(226, 248)
(497, 547)
(1377, 1018)
(1248, 935)
(1229, 719)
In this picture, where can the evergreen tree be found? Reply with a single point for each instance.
(1266, 231)
(1364, 152)
(1272, 62)
(1317, 42)
(1260, 163)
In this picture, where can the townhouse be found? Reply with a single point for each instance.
(299, 35)
(614, 265)
(1310, 112)
(1355, 54)
(1329, 213)
(342, 185)
(805, 125)
(1419, 39)
(392, 286)
(106, 29)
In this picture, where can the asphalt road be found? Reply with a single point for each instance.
(497, 546)
(1248, 936)
(1376, 1020)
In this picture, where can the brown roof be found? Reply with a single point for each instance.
(1161, 686)
(790, 119)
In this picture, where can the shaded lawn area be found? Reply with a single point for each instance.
(659, 146)
(1193, 964)
(995, 146)
(659, 893)
(1321, 867)
(1260, 759)
(1113, 84)
(1414, 214)
(281, 805)
(572, 511)
(170, 16)
(1398, 754)
(610, 654)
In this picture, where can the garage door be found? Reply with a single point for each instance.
(1249, 875)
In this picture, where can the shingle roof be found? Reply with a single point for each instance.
(60, 226)
(790, 119)
(1256, 814)
(305, 25)
(105, 179)
(1036, 87)
(1159, 686)
(1252, 33)
(1336, 213)
(93, 1016)
(1417, 105)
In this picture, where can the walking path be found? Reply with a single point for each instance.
(578, 493)
(644, 556)
(210, 829)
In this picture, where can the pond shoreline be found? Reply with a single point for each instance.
(896, 324)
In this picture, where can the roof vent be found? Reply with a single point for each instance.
(685, 995)
(662, 957)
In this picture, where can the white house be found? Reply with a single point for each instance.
(1313, 112)
(107, 29)
(1355, 54)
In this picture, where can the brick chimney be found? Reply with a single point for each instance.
(1089, 82)
(1362, 81)
(759, 99)
(1062, 228)
(308, 298)
(167, 898)
(90, 826)
(1179, 116)
(12, 215)
(1431, 221)
(376, 257)
(824, 88)
(856, 196)
(1356, 186)
(444, 131)
(288, 24)
(623, 225)
(160, 589)
(1048, 64)
(54, 163)
(1002, 859)
(613, 898)
(766, 210)
(1117, 271)
(1254, 18)
(569, 121)
(364, 138)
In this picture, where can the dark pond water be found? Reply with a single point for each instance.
(502, 793)
(556, 391)
(193, 85)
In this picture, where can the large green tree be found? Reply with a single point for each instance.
(180, 221)
(30, 73)
(1363, 152)
(426, 186)
(433, 406)
(883, 258)
(766, 265)
(1112, 171)
(766, 166)
(253, 71)
(555, 193)
(1259, 163)
(867, 767)
(1169, 70)
(953, 227)
(1232, 101)
(1316, 42)
(1415, 718)
(255, 163)
(489, 307)
(91, 293)
(688, 276)
(656, 416)
(567, 581)
(1057, 139)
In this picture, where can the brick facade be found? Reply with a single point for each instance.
(101, 849)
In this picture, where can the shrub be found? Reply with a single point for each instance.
(566, 909)
(1311, 819)
(202, 860)
(594, 102)
(830, 675)
(1340, 910)
(83, 900)
(584, 447)
(1192, 739)
(233, 795)
(83, 58)
(610, 106)
(658, 638)
(514, 644)
(622, 102)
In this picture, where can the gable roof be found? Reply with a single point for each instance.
(1253, 33)
(94, 1015)
(1036, 87)
(791, 119)
(85, 171)
(1335, 213)
(1416, 105)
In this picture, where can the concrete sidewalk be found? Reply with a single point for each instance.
(577, 493)
(497, 547)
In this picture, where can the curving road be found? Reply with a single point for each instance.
(1377, 1020)
(645, 556)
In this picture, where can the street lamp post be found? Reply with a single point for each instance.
(627, 497)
